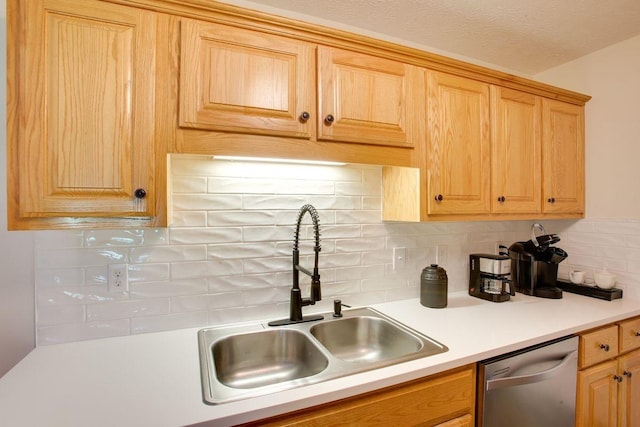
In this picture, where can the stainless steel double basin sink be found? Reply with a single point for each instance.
(241, 362)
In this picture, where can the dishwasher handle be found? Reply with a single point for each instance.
(530, 378)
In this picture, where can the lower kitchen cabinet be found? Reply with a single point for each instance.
(608, 392)
(446, 399)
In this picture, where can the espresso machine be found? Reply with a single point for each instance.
(490, 277)
(534, 264)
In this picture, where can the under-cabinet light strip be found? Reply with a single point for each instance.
(276, 160)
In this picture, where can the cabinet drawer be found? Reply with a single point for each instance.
(629, 334)
(598, 345)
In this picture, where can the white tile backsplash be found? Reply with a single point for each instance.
(227, 256)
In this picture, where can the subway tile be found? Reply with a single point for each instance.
(259, 202)
(148, 272)
(59, 334)
(189, 184)
(207, 202)
(366, 188)
(190, 236)
(189, 219)
(60, 314)
(141, 325)
(240, 218)
(241, 250)
(242, 282)
(100, 238)
(262, 234)
(62, 258)
(359, 245)
(58, 239)
(267, 295)
(127, 309)
(340, 231)
(206, 302)
(172, 253)
(76, 295)
(358, 217)
(339, 260)
(381, 283)
(59, 277)
(237, 185)
(266, 265)
(335, 202)
(228, 257)
(359, 272)
(168, 289)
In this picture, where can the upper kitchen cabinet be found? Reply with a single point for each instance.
(81, 114)
(238, 80)
(368, 99)
(459, 145)
(563, 157)
(516, 162)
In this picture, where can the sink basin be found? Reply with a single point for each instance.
(365, 339)
(239, 362)
(262, 358)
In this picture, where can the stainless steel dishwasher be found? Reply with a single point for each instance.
(533, 387)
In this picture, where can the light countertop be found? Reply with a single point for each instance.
(154, 379)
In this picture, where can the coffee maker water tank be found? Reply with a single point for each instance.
(534, 268)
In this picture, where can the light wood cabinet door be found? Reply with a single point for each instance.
(447, 398)
(85, 138)
(237, 80)
(459, 145)
(597, 396)
(515, 161)
(629, 397)
(563, 157)
(368, 99)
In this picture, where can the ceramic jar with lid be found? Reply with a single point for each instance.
(433, 287)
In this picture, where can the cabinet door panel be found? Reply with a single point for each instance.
(372, 100)
(563, 157)
(516, 173)
(87, 110)
(244, 81)
(459, 145)
(597, 400)
(629, 402)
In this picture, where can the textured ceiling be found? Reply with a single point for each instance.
(525, 36)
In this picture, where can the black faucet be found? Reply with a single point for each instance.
(297, 302)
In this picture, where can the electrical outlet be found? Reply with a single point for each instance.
(118, 277)
(399, 258)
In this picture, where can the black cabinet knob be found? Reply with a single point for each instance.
(551, 200)
(627, 374)
(617, 378)
(304, 116)
(439, 198)
(140, 193)
(329, 119)
(501, 199)
(605, 347)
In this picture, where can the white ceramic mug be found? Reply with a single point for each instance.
(576, 277)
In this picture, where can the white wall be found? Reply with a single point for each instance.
(612, 77)
(17, 336)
